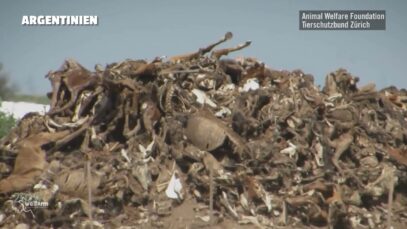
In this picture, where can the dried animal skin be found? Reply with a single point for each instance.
(205, 133)
(211, 163)
(151, 115)
(382, 184)
(141, 172)
(74, 183)
(399, 155)
(330, 85)
(142, 120)
(30, 162)
(341, 145)
(230, 134)
(341, 115)
(75, 77)
(15, 183)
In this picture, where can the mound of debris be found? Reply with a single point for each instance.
(129, 144)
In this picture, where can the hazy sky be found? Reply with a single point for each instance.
(145, 29)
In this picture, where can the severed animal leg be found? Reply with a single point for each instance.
(201, 51)
(70, 137)
(56, 84)
(71, 103)
(341, 145)
(223, 52)
(30, 162)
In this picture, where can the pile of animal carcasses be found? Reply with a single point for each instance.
(128, 143)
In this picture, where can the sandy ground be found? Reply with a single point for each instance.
(184, 216)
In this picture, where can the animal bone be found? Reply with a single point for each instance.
(224, 52)
(202, 51)
(341, 145)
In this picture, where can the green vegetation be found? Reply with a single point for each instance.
(30, 98)
(6, 123)
(6, 91)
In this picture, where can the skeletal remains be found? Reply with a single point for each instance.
(281, 151)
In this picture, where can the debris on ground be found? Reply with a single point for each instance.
(128, 144)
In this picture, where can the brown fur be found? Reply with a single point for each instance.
(30, 162)
(75, 77)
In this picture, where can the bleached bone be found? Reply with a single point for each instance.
(79, 122)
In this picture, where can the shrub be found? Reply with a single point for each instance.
(6, 90)
(6, 123)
